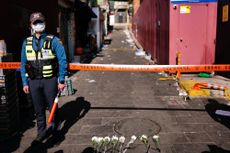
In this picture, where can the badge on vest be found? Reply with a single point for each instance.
(29, 51)
(45, 52)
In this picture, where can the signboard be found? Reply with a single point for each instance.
(185, 9)
(225, 13)
(191, 1)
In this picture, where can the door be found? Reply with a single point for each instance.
(194, 33)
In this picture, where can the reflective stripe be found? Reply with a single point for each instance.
(44, 45)
(49, 44)
(41, 59)
(215, 86)
(47, 72)
(48, 75)
(30, 54)
(31, 58)
(47, 67)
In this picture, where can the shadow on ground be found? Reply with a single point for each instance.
(214, 105)
(211, 108)
(88, 150)
(26, 122)
(70, 113)
(215, 149)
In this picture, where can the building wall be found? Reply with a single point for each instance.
(163, 30)
(151, 29)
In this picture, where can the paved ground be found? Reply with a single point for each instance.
(125, 103)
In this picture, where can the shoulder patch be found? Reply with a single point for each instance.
(50, 36)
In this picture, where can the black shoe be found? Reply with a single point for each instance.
(38, 140)
(40, 137)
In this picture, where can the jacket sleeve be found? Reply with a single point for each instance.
(23, 64)
(61, 56)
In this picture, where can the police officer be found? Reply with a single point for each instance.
(43, 70)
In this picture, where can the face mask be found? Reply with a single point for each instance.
(39, 27)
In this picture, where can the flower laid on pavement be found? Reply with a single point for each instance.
(106, 140)
(144, 139)
(95, 142)
(114, 140)
(106, 143)
(156, 140)
(100, 140)
(121, 143)
(122, 139)
(132, 140)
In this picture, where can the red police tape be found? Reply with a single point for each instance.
(133, 68)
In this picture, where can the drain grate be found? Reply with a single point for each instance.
(137, 126)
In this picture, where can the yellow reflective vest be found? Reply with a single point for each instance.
(41, 63)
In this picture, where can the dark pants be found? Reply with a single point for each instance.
(43, 92)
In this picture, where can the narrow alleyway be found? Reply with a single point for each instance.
(127, 103)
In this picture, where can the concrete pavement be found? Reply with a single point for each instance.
(127, 103)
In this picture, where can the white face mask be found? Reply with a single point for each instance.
(39, 27)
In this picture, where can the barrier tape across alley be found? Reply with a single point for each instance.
(133, 68)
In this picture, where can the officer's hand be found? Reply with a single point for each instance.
(61, 86)
(26, 89)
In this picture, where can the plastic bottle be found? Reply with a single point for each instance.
(204, 75)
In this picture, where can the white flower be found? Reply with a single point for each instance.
(114, 139)
(156, 140)
(95, 139)
(122, 139)
(100, 140)
(95, 142)
(106, 139)
(143, 137)
(156, 137)
(133, 138)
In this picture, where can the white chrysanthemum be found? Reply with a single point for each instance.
(106, 139)
(122, 139)
(144, 137)
(155, 137)
(94, 139)
(133, 138)
(100, 139)
(114, 138)
(156, 140)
